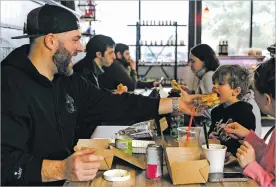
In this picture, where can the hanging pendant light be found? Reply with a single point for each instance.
(206, 13)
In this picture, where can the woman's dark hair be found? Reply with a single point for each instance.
(205, 53)
(99, 43)
(264, 77)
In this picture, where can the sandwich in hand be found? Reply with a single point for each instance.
(208, 100)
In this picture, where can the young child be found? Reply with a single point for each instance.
(231, 82)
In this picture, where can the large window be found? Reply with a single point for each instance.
(114, 16)
(166, 11)
(230, 20)
(227, 20)
(263, 24)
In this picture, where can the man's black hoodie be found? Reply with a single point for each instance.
(39, 116)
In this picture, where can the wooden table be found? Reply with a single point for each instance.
(138, 178)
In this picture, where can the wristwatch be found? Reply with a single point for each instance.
(175, 106)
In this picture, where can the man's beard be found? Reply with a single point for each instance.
(124, 61)
(62, 59)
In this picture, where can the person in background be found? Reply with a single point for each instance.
(231, 82)
(255, 156)
(99, 54)
(203, 63)
(128, 75)
(42, 101)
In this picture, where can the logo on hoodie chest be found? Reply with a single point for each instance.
(70, 106)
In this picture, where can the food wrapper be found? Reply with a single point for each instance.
(140, 130)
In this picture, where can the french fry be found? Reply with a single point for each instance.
(121, 87)
(175, 85)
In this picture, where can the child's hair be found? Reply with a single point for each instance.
(264, 77)
(235, 75)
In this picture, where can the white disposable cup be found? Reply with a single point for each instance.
(215, 155)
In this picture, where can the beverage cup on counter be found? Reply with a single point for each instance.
(182, 135)
(216, 156)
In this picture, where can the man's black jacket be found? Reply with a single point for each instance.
(39, 116)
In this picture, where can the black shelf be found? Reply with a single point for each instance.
(160, 45)
(173, 25)
(88, 19)
(162, 65)
(79, 5)
(87, 34)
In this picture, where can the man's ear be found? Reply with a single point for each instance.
(50, 41)
(119, 55)
(267, 99)
(98, 54)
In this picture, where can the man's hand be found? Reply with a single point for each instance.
(132, 64)
(245, 154)
(82, 165)
(236, 131)
(155, 84)
(186, 103)
(121, 90)
(189, 99)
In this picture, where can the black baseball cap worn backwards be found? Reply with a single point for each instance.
(48, 19)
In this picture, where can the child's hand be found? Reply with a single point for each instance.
(214, 135)
(236, 131)
(245, 154)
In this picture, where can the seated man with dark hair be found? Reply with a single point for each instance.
(99, 53)
(123, 70)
